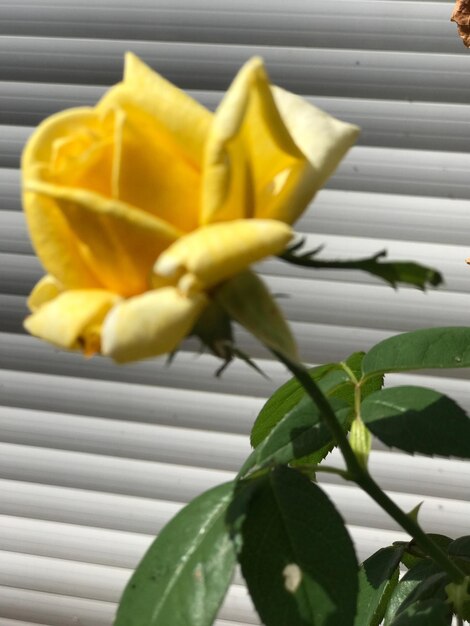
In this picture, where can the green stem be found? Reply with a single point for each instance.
(369, 485)
(322, 403)
(361, 477)
(325, 469)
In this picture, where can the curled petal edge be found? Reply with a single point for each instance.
(45, 290)
(72, 319)
(217, 252)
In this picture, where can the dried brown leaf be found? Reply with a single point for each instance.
(461, 16)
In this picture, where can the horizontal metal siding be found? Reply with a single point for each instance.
(325, 72)
(382, 25)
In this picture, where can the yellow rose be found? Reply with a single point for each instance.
(142, 206)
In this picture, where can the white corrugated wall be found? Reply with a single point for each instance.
(95, 458)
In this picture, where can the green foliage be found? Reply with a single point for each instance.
(459, 550)
(336, 380)
(378, 577)
(426, 613)
(411, 418)
(246, 299)
(393, 273)
(297, 557)
(447, 347)
(284, 400)
(460, 547)
(292, 545)
(459, 594)
(353, 366)
(300, 433)
(459, 597)
(413, 553)
(214, 329)
(183, 577)
(360, 441)
(425, 581)
(416, 419)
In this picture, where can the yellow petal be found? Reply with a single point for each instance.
(66, 320)
(217, 251)
(247, 148)
(74, 148)
(55, 244)
(323, 139)
(151, 173)
(149, 325)
(248, 301)
(45, 290)
(42, 147)
(167, 109)
(119, 242)
(57, 150)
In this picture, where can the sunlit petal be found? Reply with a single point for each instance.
(66, 148)
(217, 251)
(323, 139)
(44, 290)
(66, 320)
(248, 146)
(165, 107)
(40, 146)
(149, 325)
(55, 243)
(150, 172)
(119, 242)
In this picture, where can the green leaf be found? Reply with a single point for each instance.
(285, 399)
(460, 547)
(248, 301)
(353, 364)
(297, 557)
(248, 465)
(413, 553)
(378, 577)
(459, 551)
(442, 541)
(333, 379)
(431, 587)
(237, 510)
(447, 347)
(183, 577)
(393, 273)
(458, 595)
(416, 419)
(410, 589)
(301, 433)
(427, 613)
